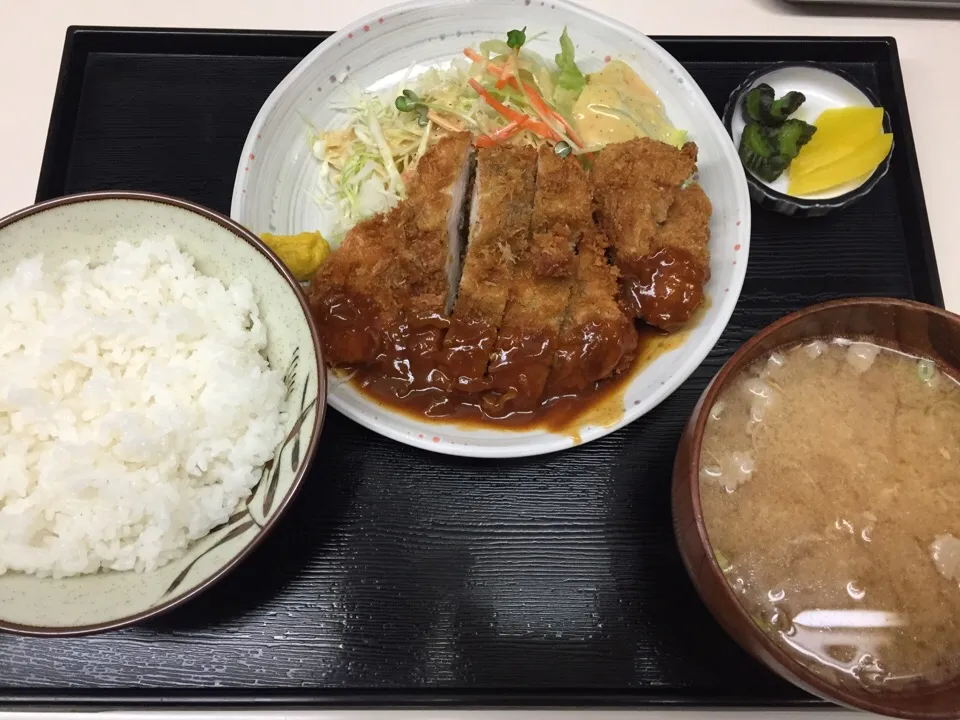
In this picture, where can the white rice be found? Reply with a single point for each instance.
(136, 409)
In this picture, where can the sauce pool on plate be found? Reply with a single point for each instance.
(416, 390)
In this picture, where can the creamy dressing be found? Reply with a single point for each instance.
(616, 106)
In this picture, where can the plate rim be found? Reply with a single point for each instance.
(549, 442)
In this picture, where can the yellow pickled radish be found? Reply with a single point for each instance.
(856, 164)
(839, 132)
(833, 121)
(302, 253)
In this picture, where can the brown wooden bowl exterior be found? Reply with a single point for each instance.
(913, 327)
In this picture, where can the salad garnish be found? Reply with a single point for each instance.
(500, 91)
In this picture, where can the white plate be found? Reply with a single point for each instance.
(277, 174)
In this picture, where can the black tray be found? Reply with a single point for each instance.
(402, 577)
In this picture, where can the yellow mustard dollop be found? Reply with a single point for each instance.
(302, 253)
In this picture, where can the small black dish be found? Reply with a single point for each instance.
(824, 88)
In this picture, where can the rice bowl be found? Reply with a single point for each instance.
(161, 397)
(121, 437)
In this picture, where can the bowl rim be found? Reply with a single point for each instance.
(320, 408)
(788, 667)
(831, 203)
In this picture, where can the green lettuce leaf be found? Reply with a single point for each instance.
(570, 77)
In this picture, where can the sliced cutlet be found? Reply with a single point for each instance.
(500, 216)
(357, 294)
(634, 185)
(438, 191)
(597, 339)
(397, 269)
(668, 287)
(687, 227)
(542, 285)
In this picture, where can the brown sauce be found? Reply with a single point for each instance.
(463, 359)
(346, 331)
(419, 389)
(518, 372)
(665, 289)
(425, 366)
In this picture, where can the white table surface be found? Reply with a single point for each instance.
(31, 41)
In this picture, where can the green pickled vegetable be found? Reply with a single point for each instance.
(785, 106)
(757, 103)
(762, 106)
(767, 151)
(793, 135)
(759, 152)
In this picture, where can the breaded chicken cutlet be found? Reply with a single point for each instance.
(659, 230)
(509, 276)
(541, 288)
(500, 216)
(687, 227)
(398, 267)
(667, 288)
(634, 185)
(597, 339)
(438, 190)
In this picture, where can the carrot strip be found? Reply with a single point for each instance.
(544, 112)
(539, 128)
(504, 133)
(492, 67)
(539, 104)
(548, 131)
(507, 131)
(508, 113)
(506, 74)
(535, 126)
(473, 55)
(571, 133)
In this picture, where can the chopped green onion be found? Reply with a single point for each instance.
(724, 563)
(516, 38)
(926, 370)
(562, 148)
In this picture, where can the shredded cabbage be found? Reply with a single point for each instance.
(362, 163)
(380, 138)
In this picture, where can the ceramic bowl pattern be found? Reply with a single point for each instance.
(90, 225)
(277, 176)
(824, 88)
(916, 328)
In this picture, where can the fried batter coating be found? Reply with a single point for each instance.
(634, 185)
(500, 225)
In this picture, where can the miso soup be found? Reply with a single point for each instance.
(831, 496)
